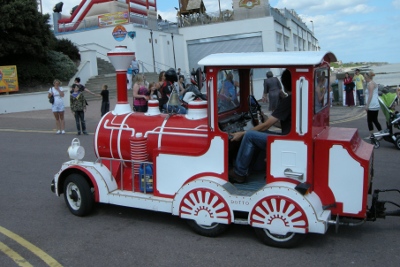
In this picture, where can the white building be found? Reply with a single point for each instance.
(160, 45)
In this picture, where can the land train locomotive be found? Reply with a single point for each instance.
(179, 163)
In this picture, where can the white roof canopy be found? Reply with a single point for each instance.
(301, 58)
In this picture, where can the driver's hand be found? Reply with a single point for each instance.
(237, 136)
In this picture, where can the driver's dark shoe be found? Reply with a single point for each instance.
(236, 178)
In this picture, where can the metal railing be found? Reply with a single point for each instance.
(135, 172)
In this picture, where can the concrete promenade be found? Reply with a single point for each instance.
(43, 120)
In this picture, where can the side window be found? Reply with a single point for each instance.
(228, 90)
(321, 87)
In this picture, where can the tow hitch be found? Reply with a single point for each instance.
(378, 209)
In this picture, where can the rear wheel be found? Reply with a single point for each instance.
(78, 195)
(288, 240)
(213, 230)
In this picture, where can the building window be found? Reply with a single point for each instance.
(278, 38)
(286, 42)
(295, 42)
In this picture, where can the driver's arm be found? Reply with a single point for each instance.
(260, 128)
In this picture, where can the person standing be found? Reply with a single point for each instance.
(153, 92)
(372, 103)
(165, 91)
(129, 74)
(272, 90)
(349, 88)
(81, 87)
(78, 108)
(135, 66)
(105, 101)
(58, 106)
(140, 94)
(359, 80)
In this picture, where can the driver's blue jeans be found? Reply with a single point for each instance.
(252, 142)
(176, 109)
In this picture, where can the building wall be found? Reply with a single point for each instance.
(102, 41)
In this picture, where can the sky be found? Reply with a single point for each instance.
(354, 30)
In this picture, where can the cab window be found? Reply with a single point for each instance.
(228, 90)
(321, 94)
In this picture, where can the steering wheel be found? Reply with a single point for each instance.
(255, 111)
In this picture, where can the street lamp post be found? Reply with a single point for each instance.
(152, 49)
(173, 48)
(312, 24)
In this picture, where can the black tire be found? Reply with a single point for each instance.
(375, 142)
(78, 195)
(289, 240)
(210, 231)
(397, 142)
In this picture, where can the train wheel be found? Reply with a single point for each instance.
(398, 142)
(213, 230)
(207, 212)
(279, 221)
(281, 241)
(78, 195)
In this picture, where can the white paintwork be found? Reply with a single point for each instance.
(174, 170)
(121, 109)
(346, 179)
(310, 203)
(196, 113)
(302, 110)
(267, 58)
(215, 185)
(105, 182)
(288, 154)
(153, 108)
(140, 201)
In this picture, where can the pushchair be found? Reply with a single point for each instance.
(387, 102)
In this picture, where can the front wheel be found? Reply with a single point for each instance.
(289, 240)
(78, 195)
(213, 230)
(375, 142)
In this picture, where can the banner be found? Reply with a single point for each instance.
(8, 79)
(113, 19)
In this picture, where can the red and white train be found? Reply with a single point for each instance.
(179, 163)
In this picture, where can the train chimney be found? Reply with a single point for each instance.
(121, 58)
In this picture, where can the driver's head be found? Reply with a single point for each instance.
(286, 80)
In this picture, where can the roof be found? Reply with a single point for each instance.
(268, 58)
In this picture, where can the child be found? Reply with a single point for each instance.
(105, 102)
(152, 93)
(78, 108)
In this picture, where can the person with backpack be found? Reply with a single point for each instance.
(166, 90)
(81, 87)
(78, 108)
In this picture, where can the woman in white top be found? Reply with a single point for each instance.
(58, 106)
(372, 104)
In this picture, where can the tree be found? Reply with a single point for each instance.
(68, 48)
(26, 30)
(28, 43)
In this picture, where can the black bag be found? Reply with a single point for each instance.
(51, 99)
(350, 87)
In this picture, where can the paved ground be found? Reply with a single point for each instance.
(43, 120)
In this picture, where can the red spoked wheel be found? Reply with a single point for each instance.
(207, 212)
